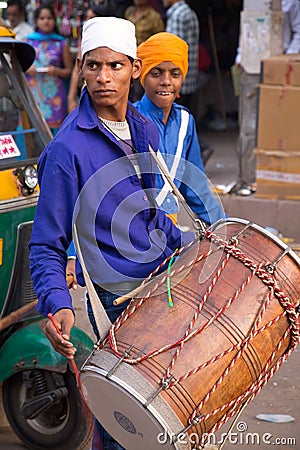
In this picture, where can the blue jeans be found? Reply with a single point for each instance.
(107, 298)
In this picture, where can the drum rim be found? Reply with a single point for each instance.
(272, 236)
(126, 374)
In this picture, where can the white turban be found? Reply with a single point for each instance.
(112, 32)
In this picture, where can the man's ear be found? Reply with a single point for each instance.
(136, 68)
(79, 64)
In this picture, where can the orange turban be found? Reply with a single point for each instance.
(162, 47)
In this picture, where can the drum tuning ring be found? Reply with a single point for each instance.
(191, 423)
(196, 419)
(166, 382)
(270, 268)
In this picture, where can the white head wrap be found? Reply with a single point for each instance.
(112, 32)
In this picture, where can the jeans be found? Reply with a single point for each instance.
(107, 298)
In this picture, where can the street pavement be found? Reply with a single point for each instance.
(280, 396)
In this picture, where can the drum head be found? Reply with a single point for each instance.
(118, 404)
(124, 417)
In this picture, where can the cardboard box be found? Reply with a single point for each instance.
(278, 174)
(283, 69)
(261, 37)
(278, 126)
(262, 5)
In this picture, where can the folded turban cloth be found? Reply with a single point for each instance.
(112, 32)
(162, 47)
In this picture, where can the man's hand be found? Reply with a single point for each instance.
(58, 330)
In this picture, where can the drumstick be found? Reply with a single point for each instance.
(76, 374)
(133, 293)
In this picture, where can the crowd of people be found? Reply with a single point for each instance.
(54, 78)
(132, 89)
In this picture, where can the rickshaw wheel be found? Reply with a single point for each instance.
(63, 426)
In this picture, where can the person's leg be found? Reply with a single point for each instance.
(97, 440)
(247, 132)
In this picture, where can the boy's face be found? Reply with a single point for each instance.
(163, 83)
(108, 76)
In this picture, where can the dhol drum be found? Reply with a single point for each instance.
(165, 377)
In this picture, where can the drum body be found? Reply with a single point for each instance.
(186, 370)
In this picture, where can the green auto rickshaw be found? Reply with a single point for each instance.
(39, 392)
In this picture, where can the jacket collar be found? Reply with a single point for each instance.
(88, 119)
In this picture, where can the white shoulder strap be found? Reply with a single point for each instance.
(172, 172)
(102, 320)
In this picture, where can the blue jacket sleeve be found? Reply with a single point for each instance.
(195, 186)
(52, 234)
(71, 250)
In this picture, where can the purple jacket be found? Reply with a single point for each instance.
(123, 236)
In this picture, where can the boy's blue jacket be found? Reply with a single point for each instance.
(123, 236)
(180, 149)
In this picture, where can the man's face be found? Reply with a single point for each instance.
(108, 76)
(14, 15)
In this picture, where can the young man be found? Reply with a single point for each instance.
(164, 67)
(99, 166)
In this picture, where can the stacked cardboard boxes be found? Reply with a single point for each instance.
(278, 129)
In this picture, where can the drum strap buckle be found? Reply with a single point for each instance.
(125, 354)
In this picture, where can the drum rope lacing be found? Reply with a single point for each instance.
(270, 279)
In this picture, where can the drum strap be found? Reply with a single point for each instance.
(182, 132)
(198, 224)
(102, 320)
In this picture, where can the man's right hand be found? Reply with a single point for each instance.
(58, 331)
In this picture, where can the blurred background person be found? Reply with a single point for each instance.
(147, 20)
(52, 67)
(118, 6)
(291, 26)
(183, 21)
(159, 7)
(16, 18)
